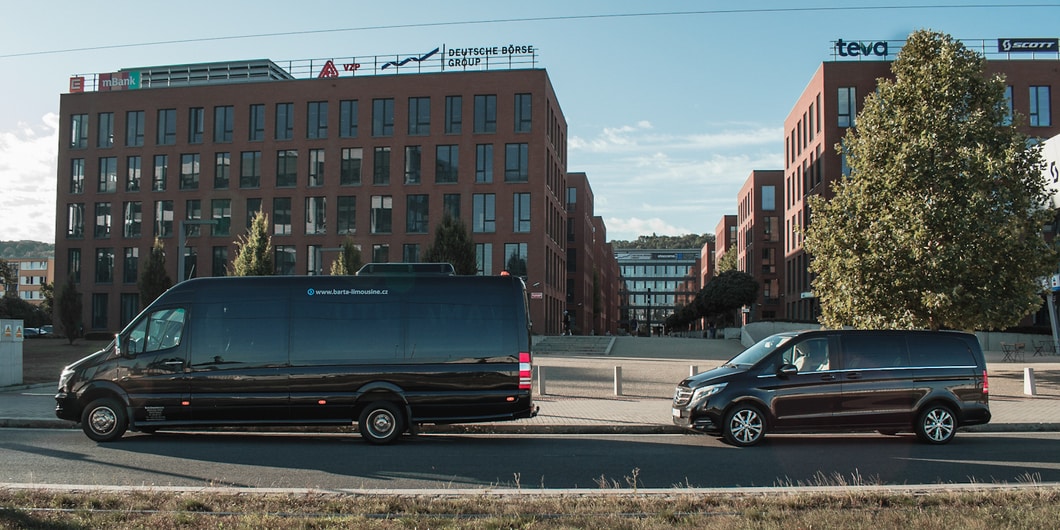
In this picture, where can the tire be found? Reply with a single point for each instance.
(381, 422)
(104, 420)
(744, 426)
(936, 425)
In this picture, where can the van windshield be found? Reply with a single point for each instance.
(757, 352)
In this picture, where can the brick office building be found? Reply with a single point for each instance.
(369, 152)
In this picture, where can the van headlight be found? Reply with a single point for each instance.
(65, 377)
(704, 392)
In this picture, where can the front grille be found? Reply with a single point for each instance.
(682, 396)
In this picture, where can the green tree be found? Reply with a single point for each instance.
(939, 223)
(70, 310)
(254, 252)
(727, 261)
(349, 261)
(47, 293)
(453, 245)
(725, 293)
(7, 274)
(154, 280)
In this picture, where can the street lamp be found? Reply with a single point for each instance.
(649, 311)
(182, 241)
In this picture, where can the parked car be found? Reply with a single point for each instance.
(30, 333)
(929, 383)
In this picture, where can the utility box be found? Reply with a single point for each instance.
(11, 337)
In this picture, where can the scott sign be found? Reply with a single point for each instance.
(1026, 45)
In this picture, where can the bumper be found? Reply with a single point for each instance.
(688, 419)
(66, 407)
(974, 415)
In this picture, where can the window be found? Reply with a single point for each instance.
(847, 105)
(315, 218)
(102, 226)
(252, 343)
(132, 173)
(1040, 115)
(769, 198)
(284, 121)
(166, 133)
(348, 118)
(380, 253)
(486, 114)
(521, 212)
(381, 165)
(284, 259)
(221, 213)
(515, 259)
(223, 123)
(105, 128)
(522, 112)
(382, 211)
(73, 261)
(281, 216)
(572, 199)
(484, 163)
(132, 219)
(346, 220)
(447, 163)
(383, 117)
(134, 128)
(219, 263)
(189, 171)
(77, 176)
(108, 174)
(484, 258)
(192, 212)
(350, 166)
(453, 114)
(316, 168)
(451, 205)
(769, 261)
(222, 167)
(516, 160)
(75, 220)
(413, 164)
(158, 178)
(257, 123)
(419, 116)
(163, 219)
(253, 208)
(79, 131)
(250, 169)
(317, 120)
(416, 213)
(286, 168)
(99, 310)
(484, 212)
(410, 253)
(130, 265)
(195, 125)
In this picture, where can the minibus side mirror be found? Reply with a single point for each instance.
(787, 370)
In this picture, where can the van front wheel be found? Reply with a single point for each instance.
(104, 420)
(381, 422)
(744, 426)
(936, 425)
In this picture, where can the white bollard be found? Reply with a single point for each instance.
(693, 370)
(618, 380)
(1029, 387)
(541, 380)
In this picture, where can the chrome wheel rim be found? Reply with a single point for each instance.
(381, 424)
(938, 425)
(103, 420)
(746, 426)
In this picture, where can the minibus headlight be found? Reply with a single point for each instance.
(704, 392)
(65, 377)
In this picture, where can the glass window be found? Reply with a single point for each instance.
(350, 166)
(381, 165)
(416, 214)
(484, 258)
(315, 218)
(383, 117)
(419, 116)
(250, 169)
(281, 216)
(223, 123)
(410, 253)
(381, 213)
(166, 133)
(516, 163)
(221, 213)
(104, 265)
(284, 121)
(847, 106)
(486, 114)
(317, 120)
(132, 219)
(874, 350)
(257, 122)
(130, 307)
(75, 220)
(316, 168)
(222, 167)
(189, 171)
(522, 112)
(132, 173)
(102, 225)
(105, 124)
(515, 259)
(451, 205)
(484, 212)
(484, 163)
(253, 207)
(286, 168)
(192, 212)
(413, 164)
(453, 114)
(348, 118)
(77, 176)
(381, 253)
(219, 263)
(1040, 115)
(447, 164)
(163, 219)
(769, 198)
(158, 178)
(134, 128)
(327, 322)
(108, 174)
(346, 222)
(195, 125)
(79, 131)
(244, 332)
(521, 212)
(99, 310)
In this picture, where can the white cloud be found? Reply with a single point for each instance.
(618, 228)
(27, 180)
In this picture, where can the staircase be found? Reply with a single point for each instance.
(590, 345)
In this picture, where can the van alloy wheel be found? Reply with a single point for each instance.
(104, 420)
(744, 426)
(381, 422)
(936, 425)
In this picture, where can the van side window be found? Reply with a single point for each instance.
(812, 355)
(455, 330)
(346, 329)
(939, 350)
(239, 334)
(159, 331)
(869, 350)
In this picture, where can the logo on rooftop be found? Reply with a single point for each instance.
(406, 60)
(861, 49)
(120, 81)
(1026, 45)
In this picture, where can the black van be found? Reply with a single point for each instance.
(389, 352)
(930, 383)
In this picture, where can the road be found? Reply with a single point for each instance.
(343, 461)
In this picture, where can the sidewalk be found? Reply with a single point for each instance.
(579, 392)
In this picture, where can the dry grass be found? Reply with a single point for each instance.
(44, 358)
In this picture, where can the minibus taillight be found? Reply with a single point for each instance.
(525, 371)
(986, 383)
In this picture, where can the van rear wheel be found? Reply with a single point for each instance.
(104, 420)
(381, 422)
(744, 426)
(936, 425)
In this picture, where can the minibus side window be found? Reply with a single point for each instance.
(160, 330)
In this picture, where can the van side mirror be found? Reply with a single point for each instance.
(787, 370)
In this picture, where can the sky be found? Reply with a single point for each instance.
(670, 105)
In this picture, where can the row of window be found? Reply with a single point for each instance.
(417, 208)
(446, 168)
(317, 120)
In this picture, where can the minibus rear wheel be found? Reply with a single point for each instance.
(381, 422)
(104, 420)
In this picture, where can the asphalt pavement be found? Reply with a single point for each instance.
(629, 388)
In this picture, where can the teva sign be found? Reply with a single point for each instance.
(860, 49)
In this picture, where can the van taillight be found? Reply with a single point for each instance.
(986, 383)
(525, 371)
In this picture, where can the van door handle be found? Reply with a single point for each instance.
(827, 377)
(854, 375)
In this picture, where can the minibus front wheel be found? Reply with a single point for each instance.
(104, 420)
(381, 422)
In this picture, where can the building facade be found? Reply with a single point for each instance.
(591, 266)
(653, 283)
(30, 275)
(191, 153)
(760, 246)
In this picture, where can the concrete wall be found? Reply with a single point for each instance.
(10, 352)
